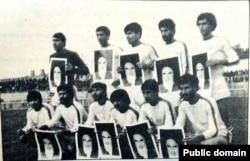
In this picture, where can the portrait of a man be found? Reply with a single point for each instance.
(168, 73)
(48, 145)
(131, 74)
(86, 143)
(57, 74)
(201, 71)
(107, 140)
(103, 65)
(170, 139)
(142, 143)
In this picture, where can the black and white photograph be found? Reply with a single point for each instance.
(48, 145)
(103, 65)
(201, 71)
(57, 73)
(86, 143)
(107, 140)
(170, 139)
(142, 143)
(168, 73)
(200, 45)
(131, 75)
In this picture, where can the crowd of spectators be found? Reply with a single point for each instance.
(24, 84)
(237, 76)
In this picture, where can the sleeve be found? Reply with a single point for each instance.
(112, 115)
(55, 118)
(142, 115)
(231, 54)
(184, 59)
(132, 118)
(79, 66)
(180, 121)
(168, 116)
(28, 125)
(91, 116)
(211, 130)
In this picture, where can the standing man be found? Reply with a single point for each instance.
(220, 54)
(74, 65)
(100, 109)
(102, 35)
(156, 110)
(172, 47)
(203, 114)
(146, 52)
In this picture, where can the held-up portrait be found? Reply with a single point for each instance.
(141, 142)
(201, 71)
(57, 74)
(86, 143)
(107, 140)
(170, 139)
(168, 73)
(131, 74)
(48, 145)
(103, 65)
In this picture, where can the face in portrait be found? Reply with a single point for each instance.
(57, 76)
(200, 72)
(107, 141)
(172, 148)
(87, 145)
(102, 67)
(140, 144)
(103, 64)
(48, 148)
(167, 74)
(57, 73)
(130, 72)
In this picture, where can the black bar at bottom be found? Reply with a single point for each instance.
(214, 152)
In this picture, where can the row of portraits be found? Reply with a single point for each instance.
(102, 142)
(166, 71)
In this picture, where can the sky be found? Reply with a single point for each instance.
(27, 27)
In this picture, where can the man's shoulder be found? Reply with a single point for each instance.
(165, 101)
(66, 51)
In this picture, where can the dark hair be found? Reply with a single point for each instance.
(134, 27)
(120, 94)
(188, 78)
(209, 17)
(103, 29)
(60, 36)
(150, 84)
(68, 88)
(98, 85)
(33, 95)
(167, 23)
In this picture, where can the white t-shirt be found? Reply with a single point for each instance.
(204, 116)
(220, 49)
(99, 112)
(159, 114)
(175, 49)
(72, 116)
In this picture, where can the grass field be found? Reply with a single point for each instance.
(13, 150)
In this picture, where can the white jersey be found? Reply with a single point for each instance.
(38, 118)
(220, 49)
(99, 112)
(72, 116)
(157, 115)
(175, 49)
